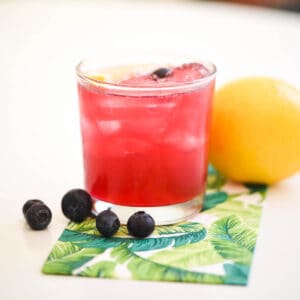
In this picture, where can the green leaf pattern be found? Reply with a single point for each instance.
(216, 246)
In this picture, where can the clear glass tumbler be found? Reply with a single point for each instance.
(145, 146)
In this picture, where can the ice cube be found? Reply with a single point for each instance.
(183, 73)
(184, 141)
(109, 127)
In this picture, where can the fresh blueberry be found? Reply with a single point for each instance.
(38, 216)
(161, 73)
(29, 203)
(107, 223)
(76, 205)
(140, 224)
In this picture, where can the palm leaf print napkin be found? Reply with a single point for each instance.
(215, 246)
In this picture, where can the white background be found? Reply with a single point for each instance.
(40, 150)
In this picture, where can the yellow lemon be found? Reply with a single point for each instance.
(255, 133)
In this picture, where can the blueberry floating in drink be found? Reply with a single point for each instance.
(161, 73)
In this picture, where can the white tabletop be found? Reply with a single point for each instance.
(40, 151)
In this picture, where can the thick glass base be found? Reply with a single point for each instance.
(163, 215)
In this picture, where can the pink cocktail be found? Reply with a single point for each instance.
(145, 137)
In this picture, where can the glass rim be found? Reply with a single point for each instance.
(162, 87)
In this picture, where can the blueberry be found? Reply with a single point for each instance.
(140, 224)
(107, 223)
(29, 203)
(76, 205)
(161, 73)
(38, 216)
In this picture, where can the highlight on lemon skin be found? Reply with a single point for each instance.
(255, 133)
